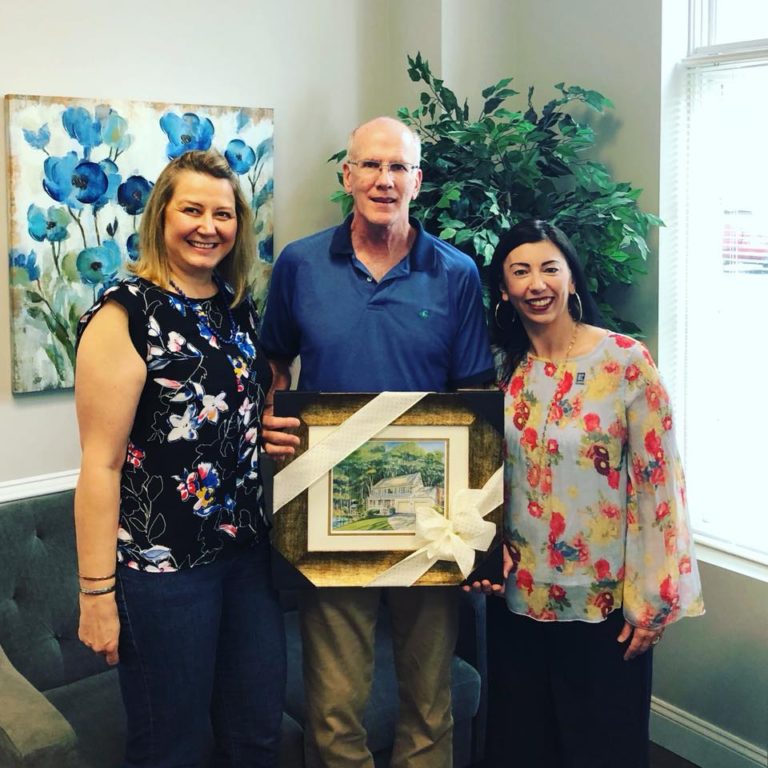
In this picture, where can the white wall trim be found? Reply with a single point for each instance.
(700, 742)
(38, 485)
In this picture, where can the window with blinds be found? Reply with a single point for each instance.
(714, 275)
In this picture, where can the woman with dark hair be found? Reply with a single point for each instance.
(598, 557)
(172, 541)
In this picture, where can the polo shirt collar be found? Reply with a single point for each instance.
(421, 257)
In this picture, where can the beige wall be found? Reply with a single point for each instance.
(323, 65)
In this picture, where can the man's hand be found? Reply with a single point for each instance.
(278, 442)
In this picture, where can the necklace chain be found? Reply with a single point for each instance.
(204, 319)
(560, 372)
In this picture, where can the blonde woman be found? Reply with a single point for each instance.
(171, 534)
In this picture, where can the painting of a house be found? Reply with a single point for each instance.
(379, 487)
(401, 495)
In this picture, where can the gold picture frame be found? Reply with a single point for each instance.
(478, 413)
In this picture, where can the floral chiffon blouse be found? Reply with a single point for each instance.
(595, 496)
(191, 483)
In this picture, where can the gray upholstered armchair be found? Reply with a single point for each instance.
(59, 703)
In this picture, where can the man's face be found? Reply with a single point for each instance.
(382, 196)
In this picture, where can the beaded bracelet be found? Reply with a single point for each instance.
(104, 591)
(96, 578)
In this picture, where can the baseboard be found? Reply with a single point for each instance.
(39, 485)
(700, 742)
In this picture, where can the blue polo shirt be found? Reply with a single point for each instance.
(421, 328)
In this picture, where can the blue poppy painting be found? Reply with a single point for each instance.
(81, 172)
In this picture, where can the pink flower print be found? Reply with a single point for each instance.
(632, 372)
(175, 341)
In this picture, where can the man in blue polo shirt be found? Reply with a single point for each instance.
(376, 304)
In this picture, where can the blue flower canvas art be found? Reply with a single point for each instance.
(80, 172)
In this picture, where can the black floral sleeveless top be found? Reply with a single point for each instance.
(191, 485)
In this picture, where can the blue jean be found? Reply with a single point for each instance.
(202, 659)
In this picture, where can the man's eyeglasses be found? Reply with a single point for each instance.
(374, 167)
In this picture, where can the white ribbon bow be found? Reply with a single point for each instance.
(454, 539)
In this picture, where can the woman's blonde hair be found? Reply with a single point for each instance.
(152, 263)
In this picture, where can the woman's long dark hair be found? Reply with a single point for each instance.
(507, 332)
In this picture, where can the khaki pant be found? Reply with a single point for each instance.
(337, 627)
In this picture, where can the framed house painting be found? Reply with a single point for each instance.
(360, 519)
(80, 172)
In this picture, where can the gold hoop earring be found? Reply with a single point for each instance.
(579, 306)
(500, 303)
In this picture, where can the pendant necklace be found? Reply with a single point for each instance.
(560, 372)
(205, 321)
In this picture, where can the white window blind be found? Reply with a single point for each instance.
(714, 272)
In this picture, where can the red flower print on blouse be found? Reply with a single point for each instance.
(670, 540)
(666, 422)
(662, 510)
(624, 342)
(556, 526)
(618, 430)
(552, 446)
(655, 396)
(524, 580)
(604, 601)
(581, 546)
(632, 372)
(522, 412)
(612, 366)
(653, 445)
(591, 422)
(529, 438)
(599, 455)
(614, 476)
(602, 569)
(516, 386)
(684, 566)
(549, 369)
(556, 412)
(564, 386)
(611, 511)
(657, 476)
(668, 591)
(546, 480)
(534, 475)
(557, 593)
(555, 556)
(535, 509)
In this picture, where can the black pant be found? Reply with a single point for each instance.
(561, 695)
